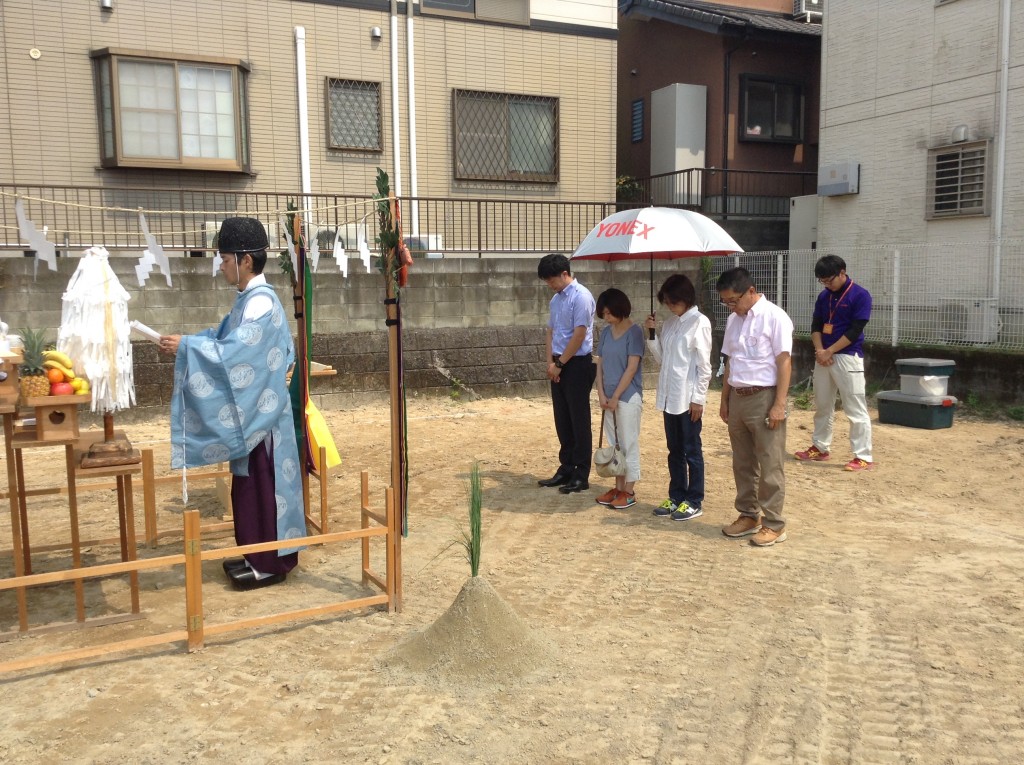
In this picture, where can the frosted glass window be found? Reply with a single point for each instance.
(170, 113)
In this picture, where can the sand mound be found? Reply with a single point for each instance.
(478, 638)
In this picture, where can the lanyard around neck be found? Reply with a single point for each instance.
(833, 308)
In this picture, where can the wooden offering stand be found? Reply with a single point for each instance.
(9, 363)
(114, 449)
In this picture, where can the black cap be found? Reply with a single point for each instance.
(242, 235)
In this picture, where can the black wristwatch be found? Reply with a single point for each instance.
(558, 362)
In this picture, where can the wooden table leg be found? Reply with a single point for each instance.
(126, 515)
(26, 548)
(76, 549)
(15, 490)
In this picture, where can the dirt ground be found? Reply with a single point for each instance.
(887, 629)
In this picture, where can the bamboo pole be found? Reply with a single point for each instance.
(397, 395)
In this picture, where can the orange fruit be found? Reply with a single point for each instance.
(55, 375)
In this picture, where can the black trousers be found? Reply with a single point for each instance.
(570, 399)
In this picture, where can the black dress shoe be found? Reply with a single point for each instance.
(556, 480)
(245, 579)
(573, 486)
(233, 564)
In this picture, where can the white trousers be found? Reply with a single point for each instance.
(845, 377)
(627, 417)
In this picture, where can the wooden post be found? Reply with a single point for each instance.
(149, 496)
(391, 545)
(193, 581)
(364, 520)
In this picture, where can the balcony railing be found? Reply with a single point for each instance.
(722, 193)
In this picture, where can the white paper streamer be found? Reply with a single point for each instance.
(364, 248)
(95, 331)
(152, 255)
(339, 254)
(45, 251)
(291, 250)
(314, 247)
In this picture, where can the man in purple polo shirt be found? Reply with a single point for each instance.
(571, 370)
(837, 332)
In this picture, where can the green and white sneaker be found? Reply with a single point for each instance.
(665, 509)
(686, 512)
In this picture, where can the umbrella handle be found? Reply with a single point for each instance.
(650, 333)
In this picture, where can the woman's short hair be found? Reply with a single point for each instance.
(616, 302)
(678, 290)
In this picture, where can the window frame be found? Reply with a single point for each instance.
(960, 210)
(378, 86)
(799, 117)
(113, 157)
(485, 10)
(510, 176)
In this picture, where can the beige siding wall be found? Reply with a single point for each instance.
(897, 79)
(50, 133)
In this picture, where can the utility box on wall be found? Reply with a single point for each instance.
(836, 180)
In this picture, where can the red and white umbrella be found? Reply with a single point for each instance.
(650, 233)
(655, 232)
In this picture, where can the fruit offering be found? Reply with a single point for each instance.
(48, 372)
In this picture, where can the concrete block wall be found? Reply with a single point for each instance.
(469, 325)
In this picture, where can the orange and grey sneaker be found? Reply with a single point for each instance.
(608, 497)
(766, 537)
(857, 464)
(742, 526)
(813, 454)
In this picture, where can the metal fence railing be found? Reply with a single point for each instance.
(965, 294)
(714, 192)
(185, 221)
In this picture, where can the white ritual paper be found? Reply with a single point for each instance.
(147, 332)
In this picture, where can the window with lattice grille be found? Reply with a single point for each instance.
(958, 180)
(159, 111)
(505, 137)
(354, 115)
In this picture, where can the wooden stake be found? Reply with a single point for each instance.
(193, 581)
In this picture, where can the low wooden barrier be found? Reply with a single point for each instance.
(192, 557)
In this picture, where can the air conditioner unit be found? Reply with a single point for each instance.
(969, 320)
(808, 9)
(428, 245)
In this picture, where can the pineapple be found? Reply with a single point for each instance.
(33, 375)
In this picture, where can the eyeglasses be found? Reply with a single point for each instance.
(731, 303)
(827, 279)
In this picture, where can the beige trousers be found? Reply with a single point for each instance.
(758, 455)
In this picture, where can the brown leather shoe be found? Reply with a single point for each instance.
(742, 526)
(766, 537)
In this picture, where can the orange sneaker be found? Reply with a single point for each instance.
(608, 497)
(857, 464)
(813, 454)
(742, 526)
(766, 537)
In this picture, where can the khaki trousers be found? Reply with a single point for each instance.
(758, 454)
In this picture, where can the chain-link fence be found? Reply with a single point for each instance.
(967, 295)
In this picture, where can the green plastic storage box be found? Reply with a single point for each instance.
(927, 412)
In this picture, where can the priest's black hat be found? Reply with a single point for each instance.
(242, 235)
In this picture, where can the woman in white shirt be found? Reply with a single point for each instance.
(683, 348)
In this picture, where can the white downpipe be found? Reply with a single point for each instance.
(895, 337)
(396, 137)
(410, 75)
(300, 78)
(999, 191)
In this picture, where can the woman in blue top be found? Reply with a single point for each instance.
(620, 390)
